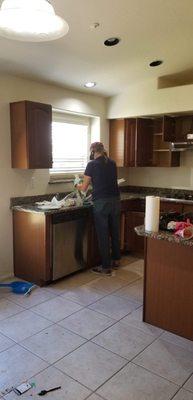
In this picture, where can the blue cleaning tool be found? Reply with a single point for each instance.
(19, 287)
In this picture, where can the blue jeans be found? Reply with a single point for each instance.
(107, 224)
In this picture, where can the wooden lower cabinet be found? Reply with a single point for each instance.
(168, 294)
(188, 208)
(32, 241)
(169, 206)
(33, 238)
(134, 243)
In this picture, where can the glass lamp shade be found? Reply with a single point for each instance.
(31, 21)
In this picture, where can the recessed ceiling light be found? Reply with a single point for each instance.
(155, 63)
(111, 41)
(90, 84)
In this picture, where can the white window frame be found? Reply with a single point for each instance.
(57, 177)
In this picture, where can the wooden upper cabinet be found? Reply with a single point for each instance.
(117, 141)
(168, 128)
(183, 126)
(131, 142)
(164, 133)
(31, 130)
(144, 142)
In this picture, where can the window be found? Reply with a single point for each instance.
(70, 144)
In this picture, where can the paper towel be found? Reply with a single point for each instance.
(152, 213)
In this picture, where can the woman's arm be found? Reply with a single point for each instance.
(85, 184)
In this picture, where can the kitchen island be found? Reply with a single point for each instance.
(168, 282)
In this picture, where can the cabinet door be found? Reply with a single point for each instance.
(130, 142)
(183, 126)
(134, 243)
(168, 128)
(116, 141)
(144, 143)
(32, 243)
(39, 131)
(169, 206)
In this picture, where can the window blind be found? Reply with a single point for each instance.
(70, 144)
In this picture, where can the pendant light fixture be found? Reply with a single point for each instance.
(31, 21)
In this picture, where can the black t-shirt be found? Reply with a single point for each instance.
(103, 173)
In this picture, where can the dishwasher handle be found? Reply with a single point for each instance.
(69, 215)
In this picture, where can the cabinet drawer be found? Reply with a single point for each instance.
(187, 208)
(169, 206)
(133, 205)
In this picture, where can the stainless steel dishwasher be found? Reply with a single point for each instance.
(70, 242)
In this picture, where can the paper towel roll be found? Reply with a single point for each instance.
(152, 213)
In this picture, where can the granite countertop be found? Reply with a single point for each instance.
(130, 196)
(27, 203)
(34, 209)
(163, 235)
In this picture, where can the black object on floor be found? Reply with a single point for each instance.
(44, 392)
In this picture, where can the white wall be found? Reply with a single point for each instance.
(20, 183)
(146, 99)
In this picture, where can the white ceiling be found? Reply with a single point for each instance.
(149, 30)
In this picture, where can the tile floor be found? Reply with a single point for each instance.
(86, 334)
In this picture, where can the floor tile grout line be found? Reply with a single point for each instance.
(133, 362)
(7, 348)
(52, 364)
(176, 344)
(62, 295)
(156, 339)
(83, 306)
(82, 337)
(76, 380)
(116, 290)
(127, 362)
(10, 316)
(186, 381)
(82, 344)
(93, 391)
(20, 312)
(132, 359)
(104, 295)
(28, 337)
(173, 397)
(112, 352)
(114, 322)
(100, 312)
(99, 396)
(119, 354)
(132, 283)
(140, 329)
(56, 322)
(154, 373)
(27, 308)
